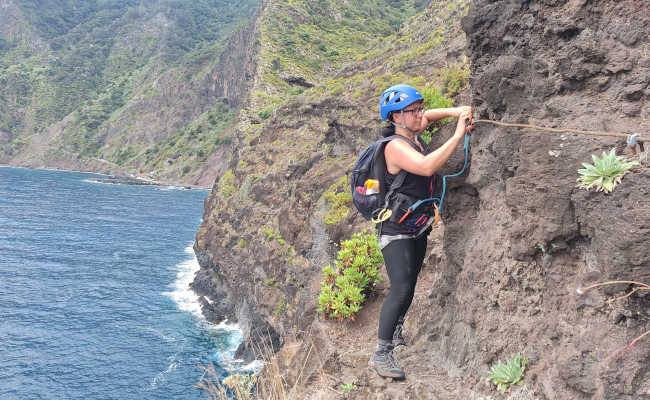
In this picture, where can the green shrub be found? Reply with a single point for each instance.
(122, 155)
(269, 233)
(605, 173)
(227, 184)
(508, 374)
(348, 387)
(433, 98)
(338, 202)
(344, 287)
(267, 111)
(280, 308)
(454, 79)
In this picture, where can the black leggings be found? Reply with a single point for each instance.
(403, 259)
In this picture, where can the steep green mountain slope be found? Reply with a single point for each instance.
(128, 82)
(311, 40)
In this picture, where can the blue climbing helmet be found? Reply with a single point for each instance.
(397, 97)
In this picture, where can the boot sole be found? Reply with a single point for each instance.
(394, 377)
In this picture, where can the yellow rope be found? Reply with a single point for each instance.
(561, 130)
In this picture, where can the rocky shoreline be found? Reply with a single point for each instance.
(120, 179)
(128, 180)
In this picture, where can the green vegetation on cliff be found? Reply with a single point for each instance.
(306, 39)
(311, 109)
(345, 286)
(109, 68)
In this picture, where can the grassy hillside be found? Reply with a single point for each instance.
(98, 59)
(313, 40)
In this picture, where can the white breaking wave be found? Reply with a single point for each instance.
(188, 301)
(92, 180)
(183, 296)
(169, 187)
(254, 366)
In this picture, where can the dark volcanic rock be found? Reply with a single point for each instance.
(124, 180)
(520, 237)
(263, 339)
(216, 305)
(297, 80)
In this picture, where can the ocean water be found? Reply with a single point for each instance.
(94, 297)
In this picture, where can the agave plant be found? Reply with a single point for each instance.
(605, 173)
(508, 374)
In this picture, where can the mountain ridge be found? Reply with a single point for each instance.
(119, 83)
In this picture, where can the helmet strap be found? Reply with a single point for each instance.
(403, 124)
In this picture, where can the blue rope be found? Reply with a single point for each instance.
(444, 181)
(459, 173)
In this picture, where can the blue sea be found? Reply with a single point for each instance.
(94, 296)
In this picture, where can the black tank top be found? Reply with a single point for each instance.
(415, 186)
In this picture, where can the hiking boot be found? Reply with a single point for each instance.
(398, 339)
(384, 364)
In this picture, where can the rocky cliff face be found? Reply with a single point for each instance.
(534, 237)
(264, 240)
(518, 238)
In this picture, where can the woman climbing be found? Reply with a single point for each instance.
(403, 242)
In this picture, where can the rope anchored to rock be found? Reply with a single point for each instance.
(632, 140)
(564, 130)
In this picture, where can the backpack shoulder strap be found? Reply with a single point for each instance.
(379, 163)
(401, 176)
(407, 140)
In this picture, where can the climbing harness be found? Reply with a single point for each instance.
(383, 215)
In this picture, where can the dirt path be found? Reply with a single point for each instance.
(350, 346)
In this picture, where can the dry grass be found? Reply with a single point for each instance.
(235, 386)
(268, 383)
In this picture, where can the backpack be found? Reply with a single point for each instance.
(368, 186)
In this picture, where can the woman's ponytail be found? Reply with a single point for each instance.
(388, 130)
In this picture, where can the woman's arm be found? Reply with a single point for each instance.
(400, 155)
(435, 114)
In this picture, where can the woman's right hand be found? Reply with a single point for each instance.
(461, 126)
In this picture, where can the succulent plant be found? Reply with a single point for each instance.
(605, 173)
(508, 374)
